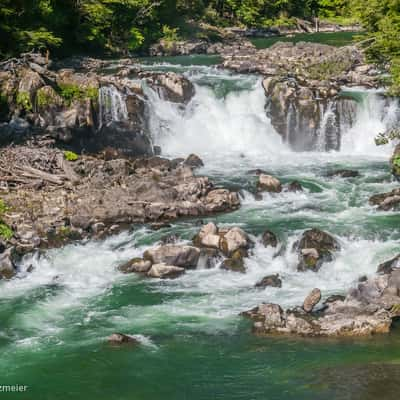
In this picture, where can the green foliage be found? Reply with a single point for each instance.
(170, 35)
(70, 92)
(111, 26)
(5, 231)
(24, 100)
(70, 155)
(381, 19)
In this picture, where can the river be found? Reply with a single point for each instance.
(194, 345)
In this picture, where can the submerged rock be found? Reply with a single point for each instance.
(314, 248)
(270, 280)
(268, 183)
(177, 255)
(344, 173)
(269, 239)
(164, 271)
(295, 186)
(121, 338)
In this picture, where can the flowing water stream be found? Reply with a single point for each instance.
(194, 346)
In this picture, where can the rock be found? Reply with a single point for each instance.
(270, 280)
(314, 248)
(177, 255)
(311, 300)
(236, 262)
(233, 240)
(135, 265)
(295, 186)
(268, 183)
(219, 200)
(389, 266)
(209, 258)
(395, 162)
(193, 161)
(163, 271)
(7, 266)
(121, 338)
(269, 239)
(170, 86)
(386, 201)
(343, 173)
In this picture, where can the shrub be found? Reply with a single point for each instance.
(70, 155)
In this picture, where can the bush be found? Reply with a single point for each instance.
(70, 155)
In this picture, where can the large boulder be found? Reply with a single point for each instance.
(177, 255)
(314, 248)
(170, 86)
(268, 183)
(233, 240)
(164, 271)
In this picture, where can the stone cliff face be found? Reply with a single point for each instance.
(86, 110)
(302, 84)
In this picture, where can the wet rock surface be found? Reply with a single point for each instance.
(369, 308)
(386, 201)
(314, 248)
(55, 200)
(270, 281)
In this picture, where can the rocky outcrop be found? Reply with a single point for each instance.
(302, 84)
(92, 197)
(367, 309)
(386, 201)
(86, 109)
(314, 248)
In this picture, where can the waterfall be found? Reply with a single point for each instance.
(210, 124)
(328, 134)
(112, 106)
(374, 114)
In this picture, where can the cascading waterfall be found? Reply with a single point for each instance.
(375, 114)
(209, 124)
(112, 106)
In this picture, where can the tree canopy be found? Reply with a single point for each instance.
(126, 25)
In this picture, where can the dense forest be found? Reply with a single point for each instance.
(131, 25)
(111, 26)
